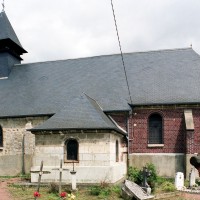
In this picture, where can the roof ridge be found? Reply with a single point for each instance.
(117, 54)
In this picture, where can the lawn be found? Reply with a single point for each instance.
(104, 192)
(89, 193)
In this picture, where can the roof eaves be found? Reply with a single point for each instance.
(165, 104)
(33, 130)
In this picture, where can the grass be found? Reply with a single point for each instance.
(25, 193)
(101, 191)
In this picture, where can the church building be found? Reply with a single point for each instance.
(81, 111)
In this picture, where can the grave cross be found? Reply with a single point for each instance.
(73, 173)
(146, 173)
(61, 169)
(40, 176)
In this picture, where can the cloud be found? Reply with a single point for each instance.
(62, 29)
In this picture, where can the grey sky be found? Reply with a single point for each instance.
(62, 29)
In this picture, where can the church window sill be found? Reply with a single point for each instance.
(71, 161)
(155, 145)
(1, 148)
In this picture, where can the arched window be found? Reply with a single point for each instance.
(71, 150)
(1, 137)
(155, 129)
(117, 151)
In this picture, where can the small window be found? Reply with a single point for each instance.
(71, 150)
(1, 137)
(155, 129)
(117, 151)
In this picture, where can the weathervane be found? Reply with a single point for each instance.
(3, 5)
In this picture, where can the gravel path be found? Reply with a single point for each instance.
(191, 196)
(4, 193)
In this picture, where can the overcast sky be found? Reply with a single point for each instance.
(63, 29)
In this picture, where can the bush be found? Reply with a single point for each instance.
(100, 191)
(116, 189)
(53, 188)
(168, 187)
(160, 180)
(153, 177)
(136, 175)
(95, 190)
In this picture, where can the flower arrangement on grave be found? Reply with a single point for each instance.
(71, 196)
(66, 196)
(63, 195)
(36, 194)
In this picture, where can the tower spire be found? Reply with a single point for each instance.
(10, 46)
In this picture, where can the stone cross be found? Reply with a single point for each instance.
(61, 169)
(40, 176)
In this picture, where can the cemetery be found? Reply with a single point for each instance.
(93, 128)
(141, 184)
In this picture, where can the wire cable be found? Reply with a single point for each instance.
(120, 47)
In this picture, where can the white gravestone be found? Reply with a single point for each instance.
(179, 181)
(192, 177)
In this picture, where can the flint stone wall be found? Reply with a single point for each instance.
(15, 138)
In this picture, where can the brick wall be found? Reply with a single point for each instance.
(120, 119)
(173, 129)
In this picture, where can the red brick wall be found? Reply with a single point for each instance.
(173, 129)
(120, 119)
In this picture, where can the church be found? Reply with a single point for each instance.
(81, 112)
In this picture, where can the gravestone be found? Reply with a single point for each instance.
(179, 181)
(131, 190)
(192, 179)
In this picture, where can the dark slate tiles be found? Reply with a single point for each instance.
(155, 77)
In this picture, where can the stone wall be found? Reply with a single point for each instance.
(166, 164)
(18, 144)
(97, 156)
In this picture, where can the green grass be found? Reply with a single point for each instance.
(25, 193)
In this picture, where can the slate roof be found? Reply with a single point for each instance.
(88, 113)
(56, 88)
(155, 77)
(8, 32)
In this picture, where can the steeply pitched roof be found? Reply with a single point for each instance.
(81, 113)
(8, 32)
(164, 77)
(155, 77)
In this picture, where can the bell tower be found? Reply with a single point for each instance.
(10, 47)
